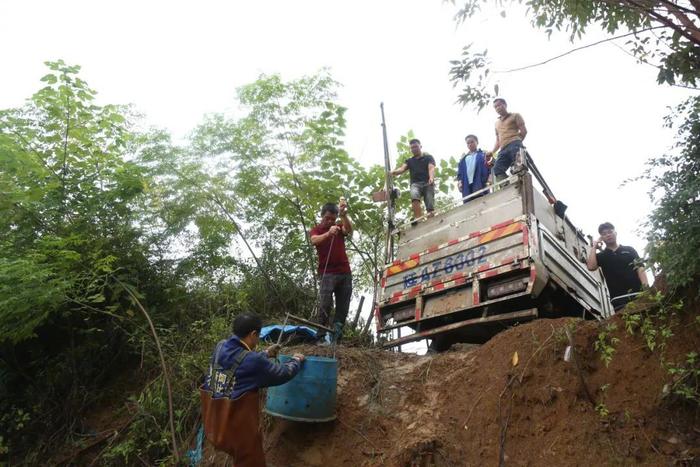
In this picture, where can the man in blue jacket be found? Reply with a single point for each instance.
(472, 170)
(229, 395)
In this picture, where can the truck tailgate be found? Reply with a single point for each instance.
(455, 263)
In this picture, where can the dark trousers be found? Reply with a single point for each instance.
(339, 285)
(505, 159)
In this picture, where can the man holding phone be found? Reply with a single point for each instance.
(620, 264)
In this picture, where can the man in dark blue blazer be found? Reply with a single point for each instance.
(472, 171)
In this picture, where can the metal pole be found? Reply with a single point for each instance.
(390, 207)
(389, 246)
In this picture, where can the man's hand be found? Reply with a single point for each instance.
(431, 180)
(273, 350)
(598, 244)
(343, 207)
(459, 185)
(298, 356)
(334, 230)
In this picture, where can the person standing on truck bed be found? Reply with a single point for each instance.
(333, 265)
(229, 395)
(510, 133)
(472, 170)
(620, 265)
(422, 169)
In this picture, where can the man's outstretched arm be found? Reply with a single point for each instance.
(400, 170)
(271, 373)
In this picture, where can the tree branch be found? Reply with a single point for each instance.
(64, 169)
(684, 20)
(654, 15)
(171, 415)
(297, 205)
(38, 155)
(577, 49)
(368, 263)
(681, 8)
(658, 67)
(233, 221)
(696, 5)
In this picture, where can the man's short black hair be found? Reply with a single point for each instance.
(501, 100)
(329, 207)
(246, 323)
(472, 136)
(414, 140)
(605, 226)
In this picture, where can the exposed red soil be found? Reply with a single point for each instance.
(474, 406)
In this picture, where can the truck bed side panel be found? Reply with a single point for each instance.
(475, 215)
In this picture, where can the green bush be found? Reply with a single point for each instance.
(673, 227)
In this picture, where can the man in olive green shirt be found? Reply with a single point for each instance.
(510, 133)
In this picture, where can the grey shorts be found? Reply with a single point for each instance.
(425, 191)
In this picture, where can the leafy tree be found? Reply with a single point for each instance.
(68, 225)
(673, 228)
(275, 166)
(664, 33)
(67, 199)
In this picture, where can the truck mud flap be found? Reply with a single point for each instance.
(522, 315)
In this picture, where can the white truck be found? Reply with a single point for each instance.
(506, 257)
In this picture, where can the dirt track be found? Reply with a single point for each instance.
(475, 407)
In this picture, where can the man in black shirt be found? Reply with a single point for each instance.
(422, 169)
(620, 264)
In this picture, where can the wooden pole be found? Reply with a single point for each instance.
(359, 310)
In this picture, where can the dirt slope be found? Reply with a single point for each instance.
(474, 406)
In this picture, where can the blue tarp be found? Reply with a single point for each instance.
(297, 333)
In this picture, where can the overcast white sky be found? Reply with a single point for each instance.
(593, 117)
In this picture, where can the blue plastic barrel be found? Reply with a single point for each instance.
(309, 396)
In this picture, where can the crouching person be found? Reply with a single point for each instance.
(229, 395)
